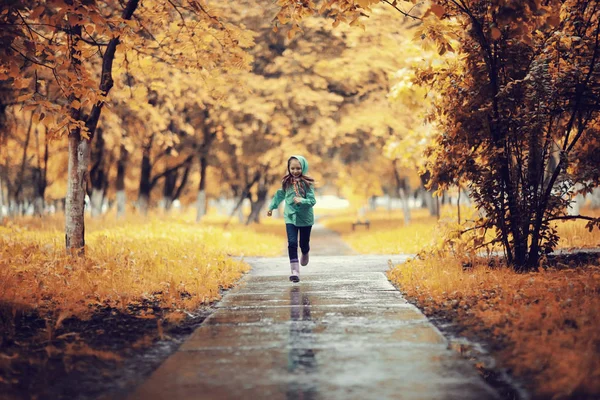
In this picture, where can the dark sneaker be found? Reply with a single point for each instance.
(295, 278)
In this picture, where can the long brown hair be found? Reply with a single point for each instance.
(288, 180)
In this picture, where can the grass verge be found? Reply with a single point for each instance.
(141, 281)
(388, 233)
(542, 327)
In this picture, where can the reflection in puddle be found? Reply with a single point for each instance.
(301, 356)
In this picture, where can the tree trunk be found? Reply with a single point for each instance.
(595, 198)
(79, 156)
(431, 202)
(79, 153)
(373, 203)
(145, 183)
(39, 203)
(405, 206)
(257, 206)
(209, 135)
(13, 209)
(402, 189)
(96, 201)
(169, 189)
(458, 204)
(201, 202)
(121, 203)
(97, 173)
(577, 202)
(41, 173)
(21, 177)
(1, 201)
(240, 213)
(238, 207)
(38, 206)
(184, 180)
(120, 183)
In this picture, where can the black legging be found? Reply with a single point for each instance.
(292, 234)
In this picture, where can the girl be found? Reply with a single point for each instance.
(297, 191)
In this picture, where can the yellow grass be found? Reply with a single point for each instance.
(182, 265)
(574, 234)
(389, 235)
(548, 321)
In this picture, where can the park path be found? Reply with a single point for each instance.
(344, 332)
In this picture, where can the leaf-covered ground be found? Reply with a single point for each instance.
(542, 327)
(71, 327)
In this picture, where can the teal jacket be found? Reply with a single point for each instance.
(296, 214)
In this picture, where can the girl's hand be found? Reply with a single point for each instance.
(269, 213)
(297, 200)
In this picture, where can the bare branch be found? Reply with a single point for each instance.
(406, 14)
(30, 59)
(569, 217)
(169, 170)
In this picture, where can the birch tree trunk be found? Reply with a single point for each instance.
(576, 202)
(38, 206)
(79, 157)
(595, 198)
(96, 202)
(405, 206)
(200, 205)
(431, 202)
(121, 203)
(240, 214)
(79, 149)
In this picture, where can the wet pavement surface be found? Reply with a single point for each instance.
(343, 332)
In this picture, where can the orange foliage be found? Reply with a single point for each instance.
(178, 265)
(545, 324)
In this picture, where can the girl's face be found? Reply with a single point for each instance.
(295, 167)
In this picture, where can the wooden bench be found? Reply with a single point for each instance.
(365, 223)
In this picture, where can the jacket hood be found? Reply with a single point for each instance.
(303, 163)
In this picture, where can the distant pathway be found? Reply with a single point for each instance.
(344, 332)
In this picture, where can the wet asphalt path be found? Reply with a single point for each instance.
(344, 332)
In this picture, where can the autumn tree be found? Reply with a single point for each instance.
(75, 43)
(518, 113)
(525, 95)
